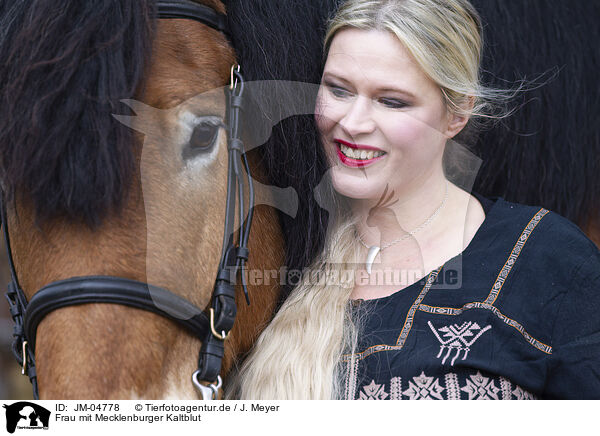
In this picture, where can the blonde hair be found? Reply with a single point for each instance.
(444, 37)
(298, 355)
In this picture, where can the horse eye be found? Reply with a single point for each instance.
(203, 138)
(204, 135)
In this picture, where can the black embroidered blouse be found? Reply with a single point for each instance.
(515, 316)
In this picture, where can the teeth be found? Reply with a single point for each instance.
(359, 154)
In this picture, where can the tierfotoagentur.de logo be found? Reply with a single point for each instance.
(24, 415)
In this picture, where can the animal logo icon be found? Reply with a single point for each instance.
(24, 414)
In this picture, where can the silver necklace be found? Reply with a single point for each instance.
(374, 250)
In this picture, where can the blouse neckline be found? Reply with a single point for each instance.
(490, 206)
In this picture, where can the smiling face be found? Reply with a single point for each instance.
(382, 120)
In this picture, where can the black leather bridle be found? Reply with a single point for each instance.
(212, 328)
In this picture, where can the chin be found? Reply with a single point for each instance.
(357, 187)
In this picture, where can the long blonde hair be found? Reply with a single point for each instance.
(298, 355)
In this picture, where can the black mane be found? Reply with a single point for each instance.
(65, 66)
(283, 40)
(548, 152)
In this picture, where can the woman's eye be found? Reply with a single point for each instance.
(204, 135)
(338, 91)
(392, 103)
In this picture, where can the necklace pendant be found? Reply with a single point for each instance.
(373, 252)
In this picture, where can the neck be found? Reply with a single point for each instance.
(410, 210)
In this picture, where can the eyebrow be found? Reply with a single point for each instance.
(336, 77)
(385, 88)
(410, 95)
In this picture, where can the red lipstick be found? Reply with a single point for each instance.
(357, 146)
(356, 163)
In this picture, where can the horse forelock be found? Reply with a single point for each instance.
(66, 66)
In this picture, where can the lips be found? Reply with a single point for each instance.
(357, 156)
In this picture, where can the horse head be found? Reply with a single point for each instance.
(146, 204)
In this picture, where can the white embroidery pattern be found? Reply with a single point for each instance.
(479, 387)
(396, 388)
(522, 394)
(351, 378)
(455, 338)
(476, 387)
(479, 305)
(424, 388)
(505, 387)
(452, 386)
(373, 392)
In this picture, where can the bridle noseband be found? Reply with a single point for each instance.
(211, 329)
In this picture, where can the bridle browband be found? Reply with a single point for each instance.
(211, 329)
(193, 11)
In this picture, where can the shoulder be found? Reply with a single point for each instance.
(552, 272)
(548, 238)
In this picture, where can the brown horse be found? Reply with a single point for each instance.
(166, 229)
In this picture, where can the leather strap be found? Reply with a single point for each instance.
(113, 290)
(193, 11)
(17, 303)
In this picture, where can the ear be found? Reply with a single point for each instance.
(458, 120)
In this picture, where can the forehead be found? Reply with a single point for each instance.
(189, 58)
(375, 56)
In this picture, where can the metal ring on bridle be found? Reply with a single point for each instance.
(222, 336)
(233, 82)
(210, 392)
(24, 367)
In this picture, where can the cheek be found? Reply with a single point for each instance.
(324, 124)
(412, 133)
(326, 113)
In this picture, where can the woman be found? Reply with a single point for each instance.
(450, 295)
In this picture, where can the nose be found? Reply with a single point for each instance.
(358, 120)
